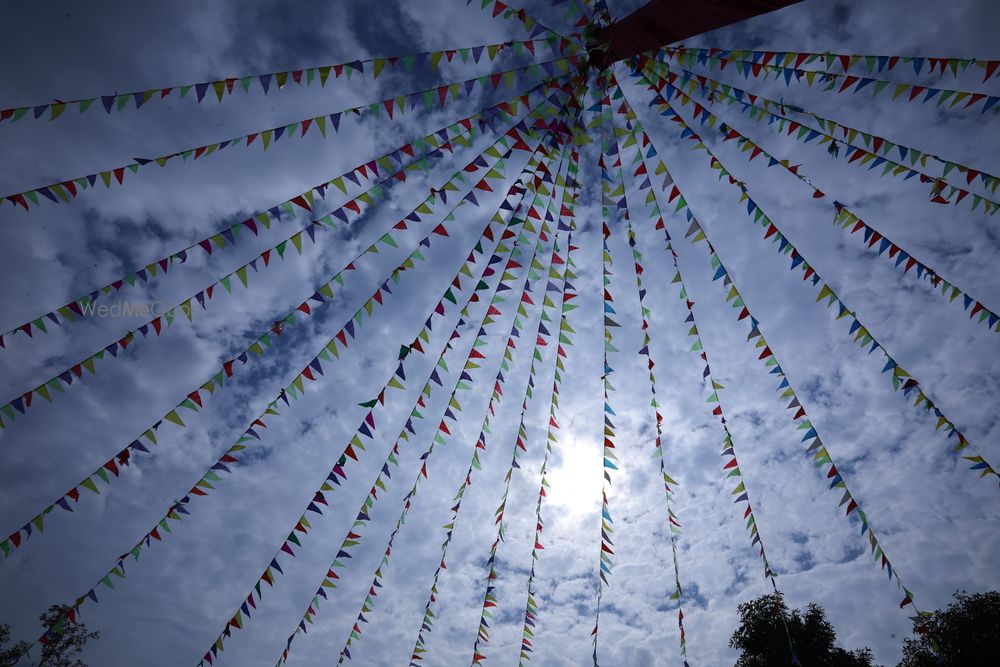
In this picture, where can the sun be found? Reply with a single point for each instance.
(575, 481)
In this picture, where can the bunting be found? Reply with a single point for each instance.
(901, 379)
(759, 108)
(940, 190)
(535, 273)
(354, 534)
(204, 485)
(458, 133)
(194, 400)
(542, 336)
(59, 382)
(496, 397)
(356, 444)
(442, 429)
(846, 62)
(816, 447)
(429, 98)
(844, 217)
(449, 413)
(831, 82)
(353, 537)
(568, 291)
(673, 522)
(225, 87)
(731, 467)
(610, 197)
(294, 389)
(531, 24)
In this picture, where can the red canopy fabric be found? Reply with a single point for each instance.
(662, 22)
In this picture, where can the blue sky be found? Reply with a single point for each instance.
(936, 520)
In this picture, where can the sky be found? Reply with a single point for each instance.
(938, 522)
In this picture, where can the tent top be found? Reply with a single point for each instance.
(662, 22)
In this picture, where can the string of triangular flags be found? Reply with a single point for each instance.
(669, 483)
(195, 399)
(843, 216)
(460, 385)
(429, 98)
(609, 149)
(204, 485)
(901, 379)
(940, 191)
(419, 649)
(448, 412)
(63, 379)
(353, 538)
(460, 133)
(490, 599)
(830, 81)
(295, 388)
(489, 596)
(759, 108)
(847, 62)
(225, 86)
(816, 447)
(531, 24)
(534, 272)
(568, 291)
(731, 468)
(355, 445)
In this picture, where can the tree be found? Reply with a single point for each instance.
(59, 653)
(763, 641)
(966, 634)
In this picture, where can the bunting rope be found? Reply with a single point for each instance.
(901, 379)
(673, 522)
(843, 216)
(427, 623)
(531, 24)
(194, 399)
(605, 552)
(353, 538)
(830, 80)
(496, 396)
(300, 77)
(867, 155)
(568, 292)
(380, 191)
(62, 191)
(732, 467)
(388, 162)
(438, 438)
(366, 428)
(816, 447)
(877, 146)
(541, 333)
(873, 64)
(204, 484)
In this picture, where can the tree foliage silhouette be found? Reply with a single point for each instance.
(60, 653)
(763, 642)
(966, 634)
